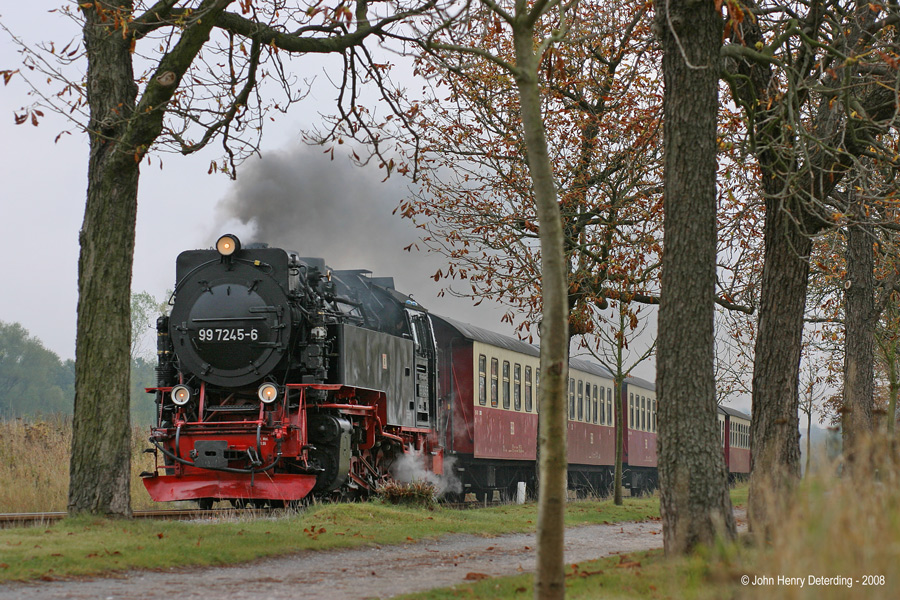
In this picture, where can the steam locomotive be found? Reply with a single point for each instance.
(280, 379)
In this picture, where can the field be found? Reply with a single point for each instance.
(34, 465)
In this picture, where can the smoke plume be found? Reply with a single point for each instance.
(302, 200)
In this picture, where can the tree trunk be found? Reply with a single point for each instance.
(549, 581)
(894, 391)
(694, 501)
(100, 463)
(859, 335)
(620, 440)
(774, 427)
(808, 440)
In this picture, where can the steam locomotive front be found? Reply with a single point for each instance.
(244, 324)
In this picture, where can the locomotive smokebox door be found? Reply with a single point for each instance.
(230, 323)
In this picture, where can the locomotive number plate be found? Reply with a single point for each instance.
(227, 334)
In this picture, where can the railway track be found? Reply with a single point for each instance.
(28, 519)
(23, 519)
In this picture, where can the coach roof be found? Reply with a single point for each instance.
(515, 345)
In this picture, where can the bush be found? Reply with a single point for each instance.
(417, 493)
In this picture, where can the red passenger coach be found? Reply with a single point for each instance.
(734, 433)
(489, 397)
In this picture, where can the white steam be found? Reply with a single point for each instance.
(410, 467)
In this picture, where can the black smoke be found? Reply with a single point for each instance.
(302, 200)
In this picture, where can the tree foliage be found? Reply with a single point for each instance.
(33, 380)
(600, 106)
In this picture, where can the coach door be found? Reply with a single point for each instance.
(426, 367)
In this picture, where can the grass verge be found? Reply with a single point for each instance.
(92, 546)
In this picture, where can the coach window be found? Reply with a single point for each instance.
(644, 413)
(505, 384)
(609, 409)
(587, 402)
(482, 379)
(603, 406)
(495, 366)
(529, 399)
(596, 405)
(631, 411)
(537, 387)
(655, 408)
(580, 400)
(517, 386)
(572, 399)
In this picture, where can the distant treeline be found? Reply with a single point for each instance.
(34, 381)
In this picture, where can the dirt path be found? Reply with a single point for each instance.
(377, 572)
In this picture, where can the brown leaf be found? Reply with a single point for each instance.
(476, 576)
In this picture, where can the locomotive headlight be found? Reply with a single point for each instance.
(228, 244)
(267, 393)
(181, 394)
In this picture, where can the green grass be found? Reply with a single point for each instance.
(627, 576)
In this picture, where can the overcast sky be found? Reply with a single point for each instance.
(294, 197)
